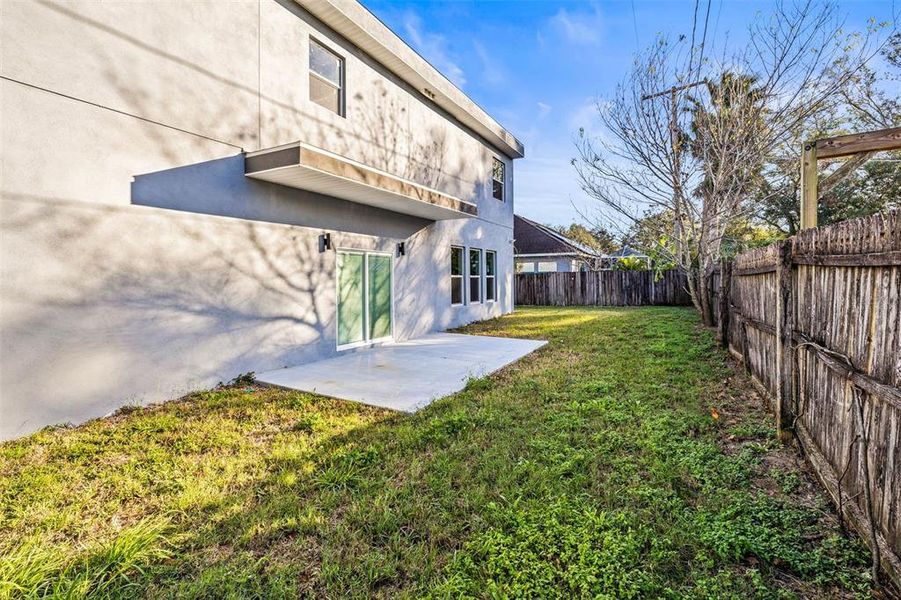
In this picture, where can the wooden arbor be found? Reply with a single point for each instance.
(836, 147)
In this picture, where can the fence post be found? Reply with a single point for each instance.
(784, 333)
(809, 185)
(725, 291)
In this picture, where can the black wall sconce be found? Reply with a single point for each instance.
(401, 248)
(325, 242)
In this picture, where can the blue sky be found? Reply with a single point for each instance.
(539, 66)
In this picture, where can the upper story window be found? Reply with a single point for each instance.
(326, 78)
(497, 177)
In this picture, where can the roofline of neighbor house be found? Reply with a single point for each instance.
(578, 248)
(354, 21)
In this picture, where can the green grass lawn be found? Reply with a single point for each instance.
(623, 460)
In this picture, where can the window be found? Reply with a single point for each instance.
(547, 267)
(490, 275)
(456, 275)
(475, 275)
(326, 78)
(497, 176)
(525, 267)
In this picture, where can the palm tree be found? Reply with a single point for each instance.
(725, 132)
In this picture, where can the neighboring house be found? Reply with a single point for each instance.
(194, 190)
(540, 249)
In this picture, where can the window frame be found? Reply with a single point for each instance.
(461, 276)
(526, 266)
(492, 286)
(342, 70)
(477, 276)
(502, 181)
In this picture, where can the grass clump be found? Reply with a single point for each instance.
(37, 569)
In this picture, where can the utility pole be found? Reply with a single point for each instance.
(677, 160)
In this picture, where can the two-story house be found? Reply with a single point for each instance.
(194, 190)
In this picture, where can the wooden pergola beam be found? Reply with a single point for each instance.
(836, 147)
(856, 143)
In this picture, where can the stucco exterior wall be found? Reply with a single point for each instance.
(128, 271)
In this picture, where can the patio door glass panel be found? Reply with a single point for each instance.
(351, 298)
(364, 297)
(379, 275)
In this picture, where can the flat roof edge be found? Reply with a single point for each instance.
(354, 21)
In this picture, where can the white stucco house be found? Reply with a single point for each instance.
(194, 190)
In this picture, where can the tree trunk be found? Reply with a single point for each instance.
(722, 321)
(691, 276)
(704, 289)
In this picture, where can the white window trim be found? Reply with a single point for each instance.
(326, 81)
(364, 342)
(494, 277)
(480, 276)
(502, 181)
(342, 95)
(462, 276)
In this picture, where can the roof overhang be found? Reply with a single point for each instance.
(354, 21)
(309, 168)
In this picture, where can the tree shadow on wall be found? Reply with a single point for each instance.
(115, 304)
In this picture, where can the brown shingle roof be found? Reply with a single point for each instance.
(534, 238)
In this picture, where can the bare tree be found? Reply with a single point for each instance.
(795, 64)
(849, 187)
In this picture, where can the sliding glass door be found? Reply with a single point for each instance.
(364, 297)
(351, 298)
(378, 274)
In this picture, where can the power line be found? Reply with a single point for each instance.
(635, 27)
(716, 26)
(704, 37)
(694, 26)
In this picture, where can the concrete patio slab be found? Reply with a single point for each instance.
(404, 376)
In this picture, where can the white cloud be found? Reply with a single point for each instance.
(545, 188)
(492, 72)
(548, 190)
(543, 110)
(433, 47)
(583, 28)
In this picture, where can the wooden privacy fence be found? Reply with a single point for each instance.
(602, 288)
(816, 320)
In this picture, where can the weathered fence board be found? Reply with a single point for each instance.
(602, 288)
(816, 320)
